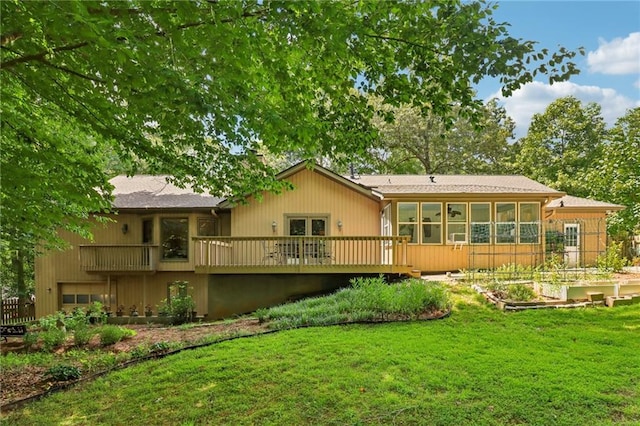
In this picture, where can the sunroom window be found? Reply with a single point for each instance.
(408, 220)
(529, 226)
(456, 222)
(505, 223)
(480, 218)
(431, 223)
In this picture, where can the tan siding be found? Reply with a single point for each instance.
(592, 227)
(447, 257)
(58, 267)
(313, 194)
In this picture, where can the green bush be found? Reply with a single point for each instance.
(82, 335)
(110, 334)
(52, 338)
(30, 339)
(180, 305)
(520, 292)
(63, 372)
(612, 260)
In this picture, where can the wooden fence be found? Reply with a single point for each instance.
(13, 312)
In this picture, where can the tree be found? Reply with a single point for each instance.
(561, 145)
(615, 176)
(413, 143)
(195, 88)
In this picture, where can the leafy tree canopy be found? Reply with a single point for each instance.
(615, 176)
(561, 145)
(195, 88)
(414, 143)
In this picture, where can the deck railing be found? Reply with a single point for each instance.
(297, 253)
(118, 258)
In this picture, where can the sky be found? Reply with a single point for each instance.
(609, 31)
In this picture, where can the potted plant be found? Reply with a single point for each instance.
(120, 310)
(133, 311)
(148, 311)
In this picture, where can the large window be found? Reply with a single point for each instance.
(174, 235)
(408, 220)
(505, 223)
(529, 223)
(431, 223)
(300, 226)
(456, 222)
(480, 218)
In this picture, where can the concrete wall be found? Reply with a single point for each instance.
(238, 294)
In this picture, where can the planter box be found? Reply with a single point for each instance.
(618, 301)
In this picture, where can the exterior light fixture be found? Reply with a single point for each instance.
(274, 225)
(125, 228)
(340, 225)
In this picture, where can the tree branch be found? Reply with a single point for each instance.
(41, 56)
(72, 72)
(10, 38)
(399, 40)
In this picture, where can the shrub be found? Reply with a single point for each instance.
(30, 339)
(110, 334)
(612, 260)
(520, 292)
(180, 305)
(52, 338)
(63, 372)
(82, 335)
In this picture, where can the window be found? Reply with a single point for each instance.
(174, 234)
(301, 226)
(456, 222)
(529, 226)
(207, 227)
(431, 223)
(505, 223)
(408, 221)
(480, 217)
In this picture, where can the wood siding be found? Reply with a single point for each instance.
(56, 269)
(314, 194)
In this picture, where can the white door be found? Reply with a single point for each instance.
(572, 244)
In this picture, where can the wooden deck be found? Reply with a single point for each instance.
(119, 258)
(301, 255)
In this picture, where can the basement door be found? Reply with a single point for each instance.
(572, 244)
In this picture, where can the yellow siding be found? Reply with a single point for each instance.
(63, 267)
(314, 194)
(593, 229)
(449, 257)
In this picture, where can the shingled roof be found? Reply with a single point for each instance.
(569, 201)
(454, 184)
(150, 192)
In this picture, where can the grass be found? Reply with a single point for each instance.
(479, 366)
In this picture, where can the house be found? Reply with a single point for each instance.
(313, 239)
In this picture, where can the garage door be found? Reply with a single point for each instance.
(74, 295)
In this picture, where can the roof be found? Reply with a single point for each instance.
(454, 184)
(577, 202)
(148, 192)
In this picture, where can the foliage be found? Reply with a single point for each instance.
(612, 260)
(82, 335)
(512, 291)
(561, 145)
(110, 334)
(63, 372)
(180, 305)
(369, 299)
(414, 144)
(52, 338)
(615, 177)
(480, 366)
(175, 87)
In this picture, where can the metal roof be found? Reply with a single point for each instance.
(149, 192)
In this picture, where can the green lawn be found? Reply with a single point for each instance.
(479, 366)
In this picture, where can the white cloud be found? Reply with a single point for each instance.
(535, 97)
(619, 56)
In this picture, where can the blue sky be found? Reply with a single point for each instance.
(609, 31)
